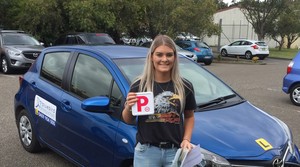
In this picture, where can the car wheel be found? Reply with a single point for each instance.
(207, 62)
(27, 133)
(224, 53)
(248, 55)
(5, 65)
(295, 95)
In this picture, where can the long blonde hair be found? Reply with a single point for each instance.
(147, 77)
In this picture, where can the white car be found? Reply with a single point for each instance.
(247, 48)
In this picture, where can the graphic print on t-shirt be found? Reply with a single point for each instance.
(166, 106)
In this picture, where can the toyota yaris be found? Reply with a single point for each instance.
(72, 97)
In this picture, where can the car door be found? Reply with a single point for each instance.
(88, 137)
(45, 96)
(233, 48)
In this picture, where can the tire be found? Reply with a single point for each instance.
(248, 55)
(208, 62)
(224, 53)
(295, 95)
(27, 133)
(5, 67)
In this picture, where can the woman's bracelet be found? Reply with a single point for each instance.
(187, 140)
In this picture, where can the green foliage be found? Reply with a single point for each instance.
(260, 13)
(283, 53)
(47, 19)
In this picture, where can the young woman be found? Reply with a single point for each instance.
(170, 127)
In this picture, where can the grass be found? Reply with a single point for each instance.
(284, 53)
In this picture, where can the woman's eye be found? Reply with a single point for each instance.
(159, 54)
(169, 54)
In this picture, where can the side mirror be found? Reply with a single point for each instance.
(96, 104)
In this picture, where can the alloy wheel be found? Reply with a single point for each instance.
(25, 130)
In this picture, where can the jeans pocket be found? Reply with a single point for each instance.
(141, 147)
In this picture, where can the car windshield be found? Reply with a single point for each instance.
(201, 45)
(19, 39)
(99, 39)
(206, 86)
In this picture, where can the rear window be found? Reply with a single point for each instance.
(99, 38)
(202, 45)
(261, 43)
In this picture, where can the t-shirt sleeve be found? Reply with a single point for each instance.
(190, 101)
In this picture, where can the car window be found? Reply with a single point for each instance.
(19, 39)
(184, 44)
(98, 38)
(201, 45)
(53, 66)
(90, 78)
(261, 43)
(79, 40)
(71, 40)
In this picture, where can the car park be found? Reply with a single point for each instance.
(291, 81)
(79, 116)
(18, 50)
(201, 49)
(246, 48)
(84, 38)
(180, 51)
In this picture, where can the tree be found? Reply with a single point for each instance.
(287, 26)
(259, 13)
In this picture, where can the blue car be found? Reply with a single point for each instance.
(291, 81)
(72, 97)
(201, 49)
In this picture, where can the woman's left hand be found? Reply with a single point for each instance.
(186, 144)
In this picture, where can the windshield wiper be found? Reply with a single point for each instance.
(218, 101)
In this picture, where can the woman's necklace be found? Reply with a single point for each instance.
(161, 87)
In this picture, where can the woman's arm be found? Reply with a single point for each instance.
(188, 129)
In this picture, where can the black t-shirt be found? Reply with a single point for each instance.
(166, 124)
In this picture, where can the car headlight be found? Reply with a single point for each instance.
(13, 52)
(210, 159)
(289, 135)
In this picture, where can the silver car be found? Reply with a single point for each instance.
(18, 50)
(186, 53)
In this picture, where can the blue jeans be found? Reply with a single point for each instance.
(151, 156)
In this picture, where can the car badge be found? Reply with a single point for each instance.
(277, 162)
(35, 54)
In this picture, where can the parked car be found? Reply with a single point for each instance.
(143, 39)
(201, 49)
(77, 115)
(84, 38)
(247, 48)
(291, 81)
(186, 36)
(18, 50)
(180, 51)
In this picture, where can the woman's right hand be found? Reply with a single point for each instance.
(130, 100)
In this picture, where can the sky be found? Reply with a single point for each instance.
(229, 1)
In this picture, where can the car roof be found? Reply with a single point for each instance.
(80, 33)
(11, 31)
(111, 51)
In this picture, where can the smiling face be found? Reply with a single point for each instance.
(163, 59)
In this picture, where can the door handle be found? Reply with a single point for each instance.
(66, 105)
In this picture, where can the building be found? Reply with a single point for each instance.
(235, 26)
